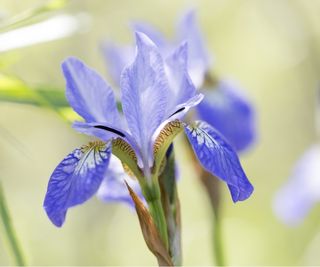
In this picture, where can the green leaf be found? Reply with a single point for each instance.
(16, 91)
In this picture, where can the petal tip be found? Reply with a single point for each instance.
(57, 219)
(143, 40)
(68, 60)
(243, 194)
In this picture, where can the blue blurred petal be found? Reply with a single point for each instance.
(231, 113)
(182, 88)
(219, 158)
(116, 58)
(76, 179)
(144, 94)
(88, 94)
(302, 190)
(199, 61)
(113, 187)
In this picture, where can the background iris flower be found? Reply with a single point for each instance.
(226, 107)
(301, 192)
(156, 94)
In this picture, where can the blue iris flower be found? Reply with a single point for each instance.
(301, 192)
(156, 95)
(225, 106)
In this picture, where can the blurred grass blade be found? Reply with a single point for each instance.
(13, 141)
(29, 15)
(53, 28)
(9, 231)
(15, 90)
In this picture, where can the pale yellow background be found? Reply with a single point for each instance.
(271, 48)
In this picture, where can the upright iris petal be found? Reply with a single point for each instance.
(199, 59)
(302, 190)
(88, 94)
(182, 88)
(145, 94)
(230, 113)
(93, 99)
(117, 57)
(156, 36)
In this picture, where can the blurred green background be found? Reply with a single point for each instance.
(271, 48)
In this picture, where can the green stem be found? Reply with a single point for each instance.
(152, 195)
(217, 241)
(9, 231)
(157, 214)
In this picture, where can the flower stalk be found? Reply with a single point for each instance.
(212, 186)
(217, 241)
(171, 205)
(9, 231)
(153, 198)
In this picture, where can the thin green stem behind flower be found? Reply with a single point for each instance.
(217, 241)
(9, 230)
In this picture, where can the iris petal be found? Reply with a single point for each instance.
(88, 94)
(107, 131)
(182, 88)
(117, 57)
(104, 131)
(113, 187)
(295, 199)
(76, 179)
(155, 35)
(219, 158)
(144, 93)
(199, 61)
(231, 113)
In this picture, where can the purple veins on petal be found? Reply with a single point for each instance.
(219, 158)
(230, 112)
(302, 190)
(76, 179)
